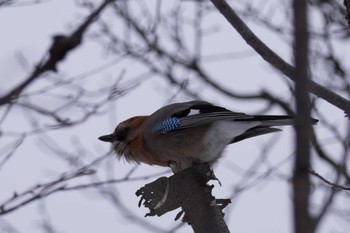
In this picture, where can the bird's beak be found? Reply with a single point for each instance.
(107, 138)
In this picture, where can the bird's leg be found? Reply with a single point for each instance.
(173, 166)
(211, 173)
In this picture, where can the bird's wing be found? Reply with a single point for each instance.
(196, 113)
(210, 117)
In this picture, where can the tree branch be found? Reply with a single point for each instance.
(272, 58)
(303, 221)
(187, 189)
(60, 47)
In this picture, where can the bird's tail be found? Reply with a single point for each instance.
(265, 127)
(276, 120)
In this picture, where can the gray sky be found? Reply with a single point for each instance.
(27, 31)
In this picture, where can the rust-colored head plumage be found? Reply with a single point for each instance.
(124, 134)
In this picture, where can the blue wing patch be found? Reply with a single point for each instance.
(168, 125)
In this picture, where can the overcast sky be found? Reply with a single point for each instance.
(26, 33)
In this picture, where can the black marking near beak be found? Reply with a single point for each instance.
(107, 138)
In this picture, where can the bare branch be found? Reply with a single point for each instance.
(39, 191)
(12, 149)
(303, 221)
(60, 47)
(334, 185)
(276, 61)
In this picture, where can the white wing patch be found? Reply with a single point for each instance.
(193, 112)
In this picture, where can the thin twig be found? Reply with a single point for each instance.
(337, 186)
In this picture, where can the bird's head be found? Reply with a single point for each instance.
(126, 132)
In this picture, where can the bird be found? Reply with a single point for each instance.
(180, 135)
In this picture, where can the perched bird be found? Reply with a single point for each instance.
(182, 134)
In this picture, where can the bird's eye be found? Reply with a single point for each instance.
(123, 133)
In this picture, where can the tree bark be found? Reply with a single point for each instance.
(187, 189)
(303, 222)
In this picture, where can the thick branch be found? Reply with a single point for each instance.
(271, 57)
(303, 222)
(187, 189)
